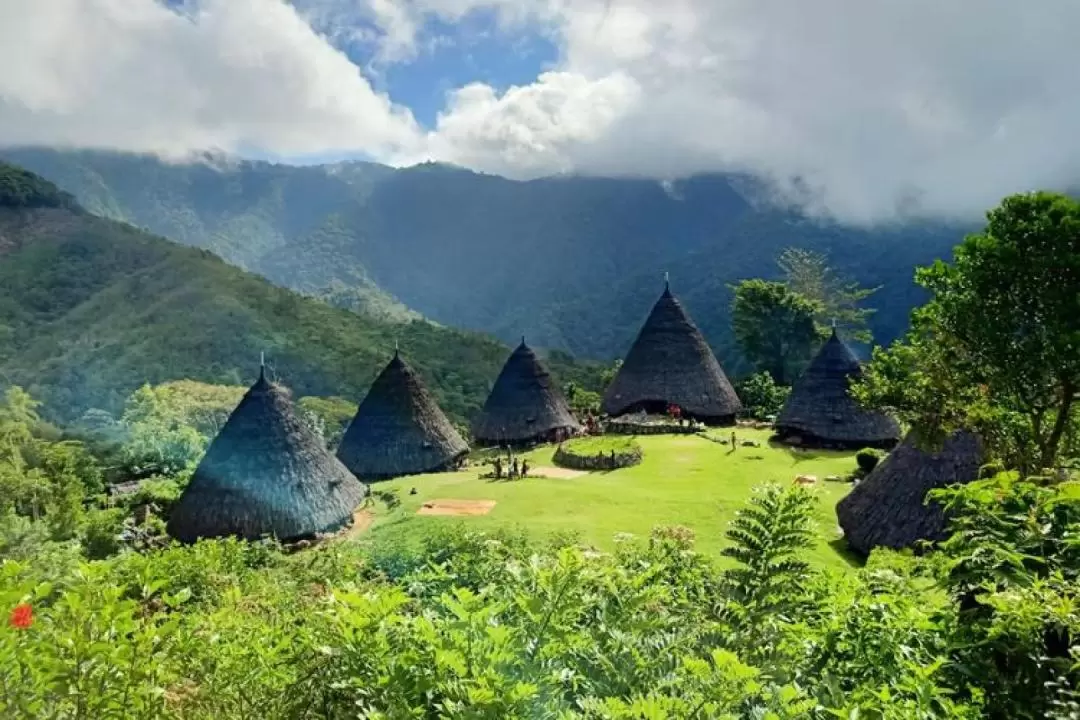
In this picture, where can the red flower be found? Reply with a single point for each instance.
(22, 616)
(674, 410)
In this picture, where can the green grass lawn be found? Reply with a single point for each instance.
(683, 480)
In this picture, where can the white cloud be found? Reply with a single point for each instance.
(872, 104)
(530, 131)
(226, 74)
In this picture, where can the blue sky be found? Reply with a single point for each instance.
(869, 103)
(448, 57)
(453, 56)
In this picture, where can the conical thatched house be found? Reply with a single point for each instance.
(266, 473)
(820, 411)
(670, 363)
(525, 405)
(888, 508)
(399, 429)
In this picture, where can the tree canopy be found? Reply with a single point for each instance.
(775, 327)
(997, 347)
(808, 273)
(22, 189)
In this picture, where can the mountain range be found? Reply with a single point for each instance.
(91, 308)
(573, 263)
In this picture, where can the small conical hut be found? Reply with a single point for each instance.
(889, 507)
(670, 363)
(399, 429)
(525, 405)
(820, 412)
(266, 473)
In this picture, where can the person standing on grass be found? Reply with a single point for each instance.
(524, 468)
(734, 442)
(498, 468)
(514, 469)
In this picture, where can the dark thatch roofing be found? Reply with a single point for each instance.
(266, 473)
(888, 507)
(821, 409)
(525, 404)
(399, 429)
(670, 362)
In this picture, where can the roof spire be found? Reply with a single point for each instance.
(262, 365)
(397, 348)
(667, 281)
(523, 340)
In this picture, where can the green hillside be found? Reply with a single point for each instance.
(573, 262)
(91, 308)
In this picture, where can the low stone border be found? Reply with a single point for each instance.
(611, 460)
(626, 428)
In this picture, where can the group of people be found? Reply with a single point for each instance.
(513, 469)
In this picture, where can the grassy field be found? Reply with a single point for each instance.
(683, 480)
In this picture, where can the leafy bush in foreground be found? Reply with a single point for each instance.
(474, 625)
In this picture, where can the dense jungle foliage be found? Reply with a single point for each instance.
(573, 262)
(466, 625)
(104, 618)
(91, 308)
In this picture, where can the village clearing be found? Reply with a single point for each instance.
(684, 480)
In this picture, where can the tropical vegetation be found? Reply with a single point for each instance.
(104, 617)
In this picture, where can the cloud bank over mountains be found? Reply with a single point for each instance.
(862, 109)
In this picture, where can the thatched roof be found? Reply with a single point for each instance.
(266, 473)
(888, 507)
(525, 405)
(399, 429)
(670, 363)
(821, 410)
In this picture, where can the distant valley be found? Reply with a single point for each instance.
(573, 263)
(91, 308)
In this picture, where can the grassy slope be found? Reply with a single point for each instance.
(575, 263)
(685, 480)
(91, 308)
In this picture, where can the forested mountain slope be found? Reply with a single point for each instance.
(572, 262)
(91, 308)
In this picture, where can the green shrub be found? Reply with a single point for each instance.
(761, 396)
(492, 625)
(101, 532)
(867, 459)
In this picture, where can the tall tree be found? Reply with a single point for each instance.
(998, 345)
(775, 327)
(809, 274)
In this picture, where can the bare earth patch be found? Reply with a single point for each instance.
(361, 521)
(556, 472)
(456, 507)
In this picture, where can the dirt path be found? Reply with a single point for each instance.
(362, 520)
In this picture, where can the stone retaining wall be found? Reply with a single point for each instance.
(626, 428)
(599, 461)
